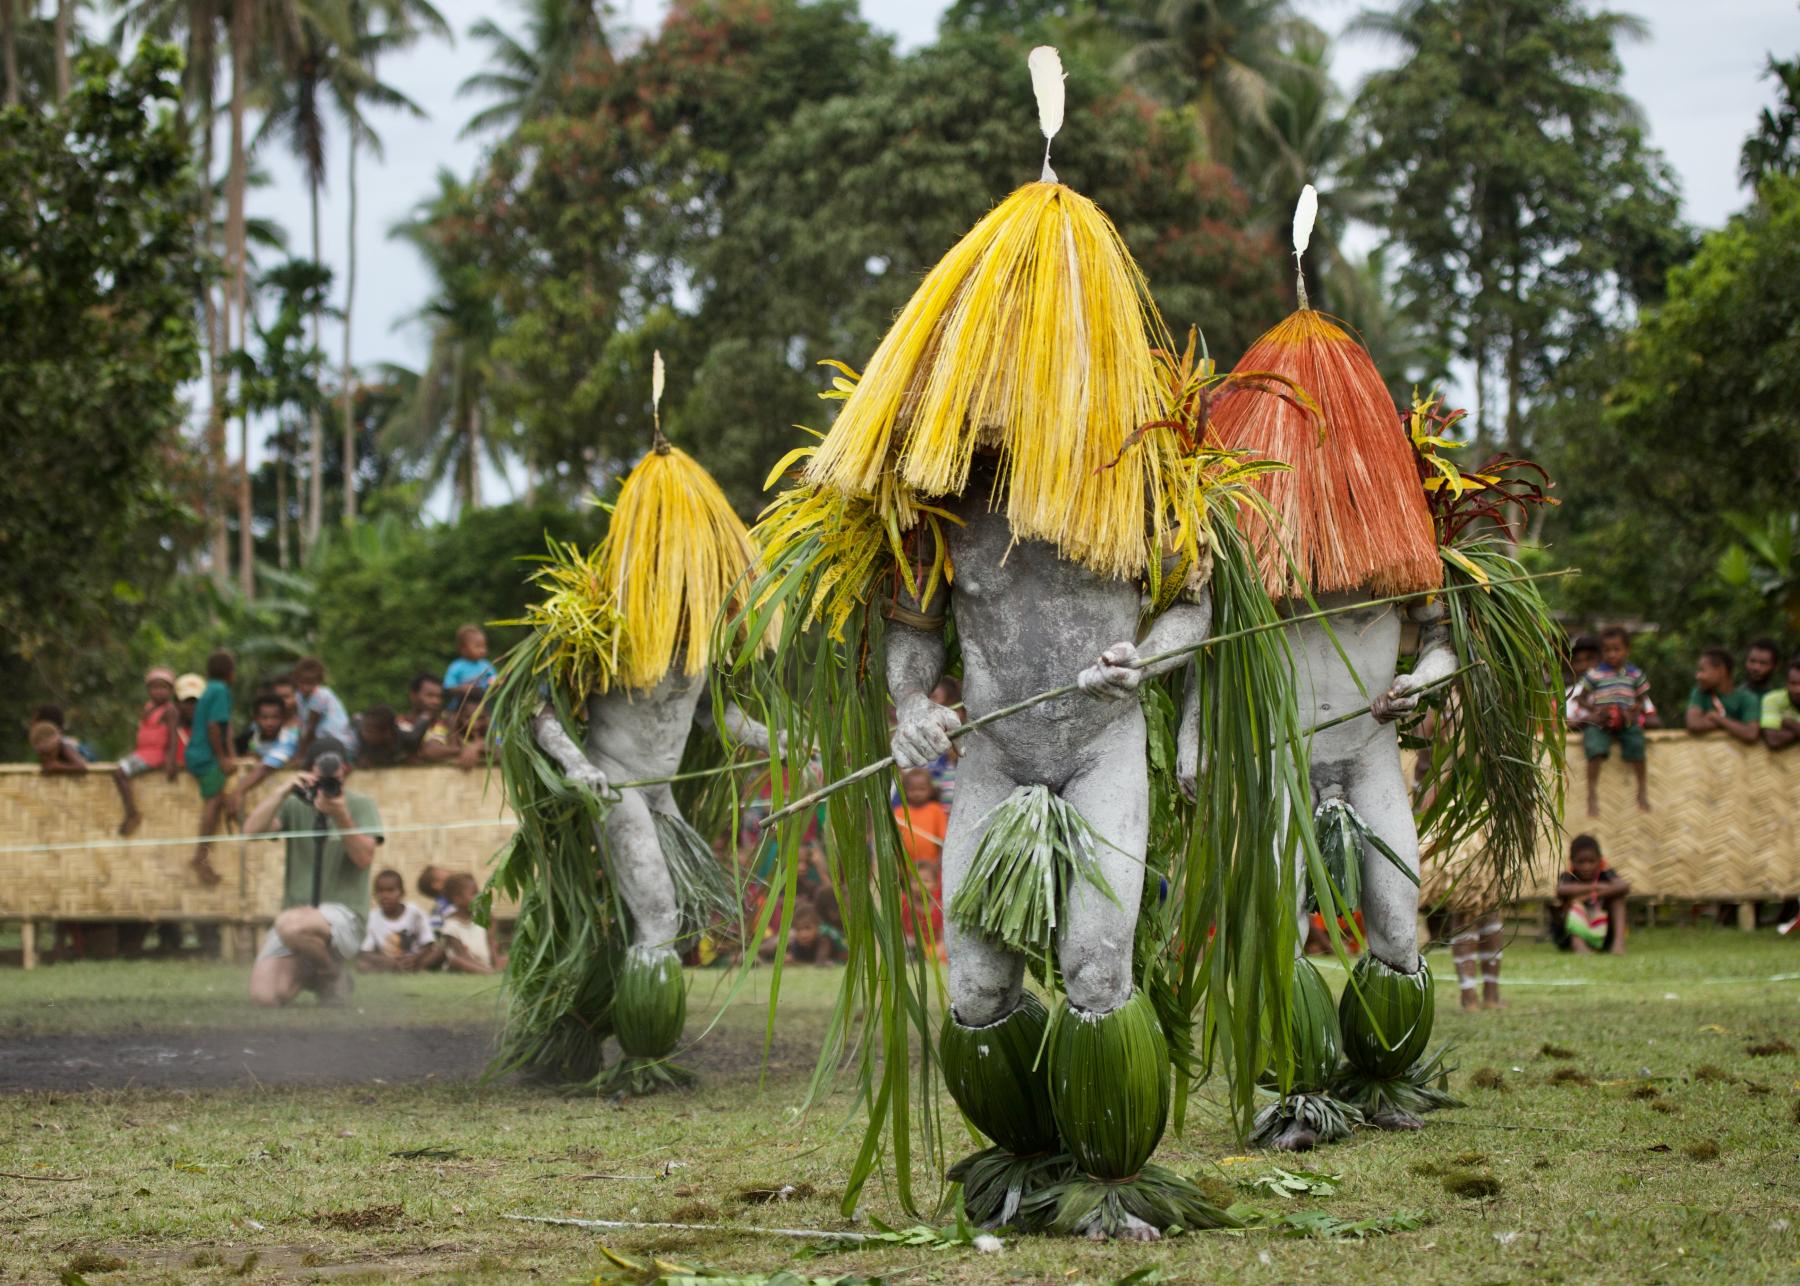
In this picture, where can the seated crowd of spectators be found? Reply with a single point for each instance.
(1607, 700)
(187, 725)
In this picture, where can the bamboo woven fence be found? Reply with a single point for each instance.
(154, 882)
(1721, 827)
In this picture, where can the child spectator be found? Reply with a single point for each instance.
(158, 743)
(399, 938)
(54, 714)
(471, 672)
(921, 818)
(468, 947)
(929, 916)
(1716, 705)
(1614, 693)
(1584, 655)
(1781, 711)
(188, 689)
(324, 723)
(431, 885)
(1590, 902)
(209, 755)
(274, 737)
(806, 944)
(57, 752)
(378, 738)
(426, 710)
(1760, 660)
(474, 750)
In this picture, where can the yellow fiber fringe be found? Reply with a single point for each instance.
(1031, 336)
(674, 555)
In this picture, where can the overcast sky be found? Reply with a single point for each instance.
(1697, 76)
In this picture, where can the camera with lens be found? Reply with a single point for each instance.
(328, 779)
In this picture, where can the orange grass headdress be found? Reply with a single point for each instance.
(1349, 512)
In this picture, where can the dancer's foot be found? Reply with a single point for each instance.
(1393, 1118)
(133, 820)
(1470, 1001)
(203, 868)
(1296, 1138)
(1643, 802)
(1133, 1229)
(1490, 998)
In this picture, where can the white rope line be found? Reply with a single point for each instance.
(225, 837)
(1666, 984)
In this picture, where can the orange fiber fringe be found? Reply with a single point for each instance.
(1350, 511)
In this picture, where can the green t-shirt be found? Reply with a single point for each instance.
(213, 707)
(344, 881)
(1775, 707)
(1739, 705)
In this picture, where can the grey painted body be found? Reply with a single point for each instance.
(632, 735)
(1027, 620)
(1359, 761)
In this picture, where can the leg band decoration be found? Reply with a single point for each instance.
(1109, 1094)
(1307, 1115)
(998, 1077)
(649, 1011)
(1386, 1017)
(1036, 846)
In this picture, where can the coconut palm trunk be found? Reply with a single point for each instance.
(9, 48)
(65, 23)
(315, 423)
(349, 375)
(242, 32)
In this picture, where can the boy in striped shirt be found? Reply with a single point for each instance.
(1614, 694)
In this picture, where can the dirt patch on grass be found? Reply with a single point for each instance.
(217, 1059)
(364, 1217)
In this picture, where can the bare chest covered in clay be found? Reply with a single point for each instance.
(1370, 639)
(1028, 619)
(643, 733)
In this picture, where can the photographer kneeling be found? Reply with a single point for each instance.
(325, 891)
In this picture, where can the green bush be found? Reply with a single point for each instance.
(388, 599)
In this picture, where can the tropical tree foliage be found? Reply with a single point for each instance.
(98, 272)
(1512, 172)
(1690, 418)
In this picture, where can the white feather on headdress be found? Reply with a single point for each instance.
(1047, 83)
(1306, 211)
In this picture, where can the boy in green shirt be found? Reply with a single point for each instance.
(208, 755)
(1716, 705)
(1781, 712)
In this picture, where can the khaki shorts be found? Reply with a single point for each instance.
(346, 934)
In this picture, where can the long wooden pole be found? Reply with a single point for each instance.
(1145, 662)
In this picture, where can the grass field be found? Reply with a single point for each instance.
(1639, 1124)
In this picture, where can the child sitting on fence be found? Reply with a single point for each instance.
(467, 678)
(158, 745)
(1590, 902)
(468, 948)
(57, 752)
(399, 937)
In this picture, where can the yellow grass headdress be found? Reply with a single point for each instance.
(674, 555)
(1032, 338)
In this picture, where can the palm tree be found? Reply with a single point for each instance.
(527, 72)
(1310, 139)
(1219, 57)
(378, 26)
(196, 25)
(444, 420)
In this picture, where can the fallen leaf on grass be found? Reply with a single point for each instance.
(1715, 1029)
(1768, 1049)
(1659, 1147)
(432, 1153)
(1293, 1183)
(1549, 1050)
